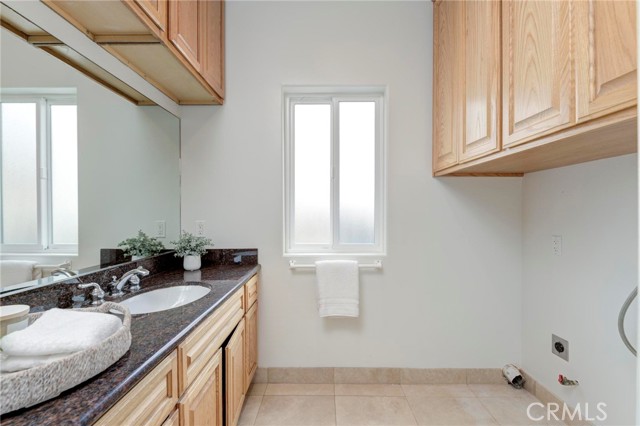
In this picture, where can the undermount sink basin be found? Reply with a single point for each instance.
(164, 299)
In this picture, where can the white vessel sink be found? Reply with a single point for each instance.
(164, 299)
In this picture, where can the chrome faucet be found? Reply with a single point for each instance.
(132, 277)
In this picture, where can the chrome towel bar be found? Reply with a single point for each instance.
(375, 265)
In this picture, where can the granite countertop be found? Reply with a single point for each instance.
(154, 336)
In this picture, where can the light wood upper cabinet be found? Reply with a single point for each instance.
(606, 56)
(447, 76)
(481, 57)
(156, 10)
(235, 374)
(213, 55)
(202, 403)
(186, 22)
(537, 79)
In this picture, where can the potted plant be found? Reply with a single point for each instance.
(191, 248)
(141, 246)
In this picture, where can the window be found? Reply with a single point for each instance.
(39, 174)
(334, 171)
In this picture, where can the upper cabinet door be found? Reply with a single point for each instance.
(156, 10)
(213, 58)
(185, 27)
(482, 79)
(537, 79)
(606, 57)
(448, 32)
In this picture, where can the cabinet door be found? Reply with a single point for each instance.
(213, 34)
(481, 56)
(537, 79)
(251, 345)
(202, 402)
(156, 10)
(185, 27)
(150, 401)
(447, 79)
(234, 374)
(606, 56)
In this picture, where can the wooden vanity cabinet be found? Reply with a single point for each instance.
(151, 401)
(202, 403)
(235, 389)
(204, 378)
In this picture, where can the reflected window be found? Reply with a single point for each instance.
(39, 174)
(334, 180)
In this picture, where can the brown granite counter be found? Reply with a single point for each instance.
(154, 336)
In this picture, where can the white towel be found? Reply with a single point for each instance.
(60, 331)
(338, 288)
(9, 364)
(15, 272)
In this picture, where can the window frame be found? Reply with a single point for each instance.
(292, 96)
(44, 245)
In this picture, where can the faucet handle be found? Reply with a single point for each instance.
(97, 295)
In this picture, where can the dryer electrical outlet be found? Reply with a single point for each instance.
(560, 347)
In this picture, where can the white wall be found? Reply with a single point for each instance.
(450, 292)
(578, 295)
(128, 156)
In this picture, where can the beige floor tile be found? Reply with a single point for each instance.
(298, 389)
(300, 375)
(249, 410)
(449, 411)
(438, 391)
(499, 391)
(515, 411)
(373, 410)
(256, 389)
(369, 390)
(367, 375)
(297, 411)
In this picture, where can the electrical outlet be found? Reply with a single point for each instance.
(200, 228)
(161, 228)
(560, 347)
(556, 245)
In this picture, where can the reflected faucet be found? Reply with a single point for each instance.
(132, 277)
(64, 272)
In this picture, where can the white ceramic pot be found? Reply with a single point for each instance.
(136, 258)
(191, 263)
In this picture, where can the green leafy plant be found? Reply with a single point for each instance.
(142, 245)
(190, 245)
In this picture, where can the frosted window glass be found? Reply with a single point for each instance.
(357, 172)
(312, 174)
(64, 174)
(19, 174)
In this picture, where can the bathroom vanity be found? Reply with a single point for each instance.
(183, 364)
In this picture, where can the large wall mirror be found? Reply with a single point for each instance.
(82, 167)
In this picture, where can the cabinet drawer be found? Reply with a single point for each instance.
(251, 292)
(151, 401)
(204, 341)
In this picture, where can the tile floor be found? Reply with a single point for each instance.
(387, 405)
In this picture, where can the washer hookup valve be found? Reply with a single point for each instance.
(566, 382)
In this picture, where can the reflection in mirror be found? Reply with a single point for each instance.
(82, 168)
